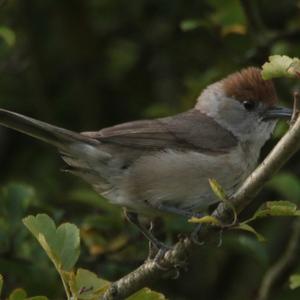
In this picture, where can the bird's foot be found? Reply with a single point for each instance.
(195, 236)
(157, 257)
(195, 232)
(157, 251)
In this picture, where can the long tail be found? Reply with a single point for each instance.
(56, 136)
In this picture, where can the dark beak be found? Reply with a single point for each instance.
(277, 112)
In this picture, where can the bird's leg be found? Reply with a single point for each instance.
(184, 213)
(152, 249)
(133, 219)
(195, 235)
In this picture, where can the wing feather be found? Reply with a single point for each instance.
(191, 130)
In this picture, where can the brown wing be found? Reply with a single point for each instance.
(191, 130)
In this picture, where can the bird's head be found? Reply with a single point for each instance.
(245, 104)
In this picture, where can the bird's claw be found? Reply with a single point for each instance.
(195, 236)
(157, 250)
(157, 256)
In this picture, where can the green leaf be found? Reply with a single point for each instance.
(227, 13)
(20, 294)
(294, 281)
(281, 66)
(146, 294)
(217, 189)
(190, 24)
(15, 200)
(287, 184)
(205, 220)
(246, 227)
(61, 244)
(8, 36)
(86, 285)
(277, 208)
(280, 129)
(17, 294)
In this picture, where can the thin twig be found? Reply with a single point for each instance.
(296, 108)
(254, 19)
(281, 268)
(151, 271)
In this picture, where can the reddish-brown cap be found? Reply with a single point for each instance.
(248, 85)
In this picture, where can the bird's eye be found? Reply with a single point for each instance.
(250, 105)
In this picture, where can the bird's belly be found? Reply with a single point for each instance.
(179, 179)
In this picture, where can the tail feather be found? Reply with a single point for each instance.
(81, 153)
(56, 136)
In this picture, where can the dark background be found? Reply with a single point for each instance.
(89, 64)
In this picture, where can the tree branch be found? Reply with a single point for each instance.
(151, 271)
(283, 266)
(148, 272)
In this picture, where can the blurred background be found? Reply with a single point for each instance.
(87, 64)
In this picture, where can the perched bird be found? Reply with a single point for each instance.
(163, 165)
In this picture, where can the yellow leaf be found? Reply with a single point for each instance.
(281, 66)
(205, 220)
(277, 208)
(217, 189)
(295, 281)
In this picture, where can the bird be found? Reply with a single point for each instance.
(158, 166)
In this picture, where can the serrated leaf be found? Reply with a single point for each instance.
(146, 294)
(61, 244)
(205, 220)
(217, 189)
(246, 227)
(294, 281)
(277, 208)
(17, 294)
(280, 66)
(86, 285)
(294, 68)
